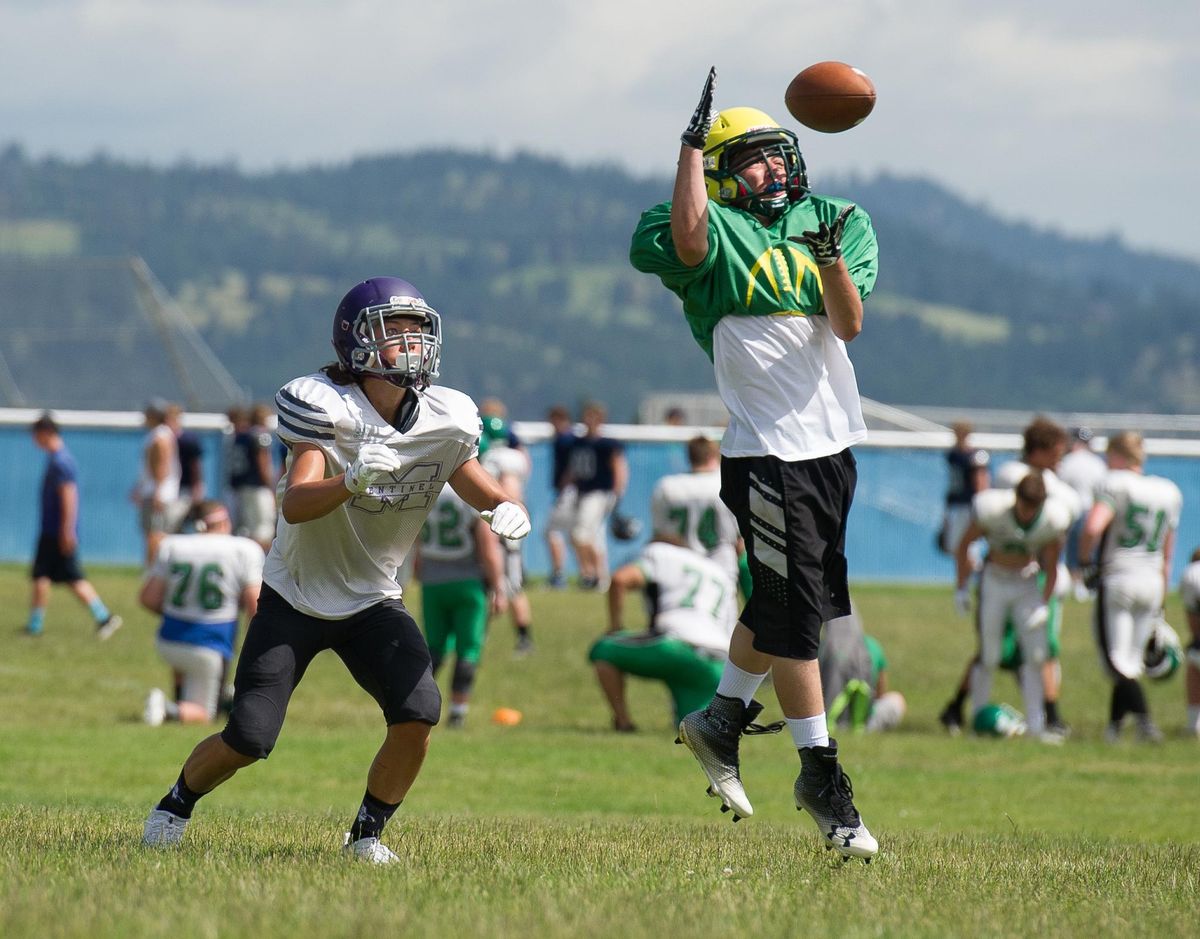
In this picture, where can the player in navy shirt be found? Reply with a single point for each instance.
(597, 468)
(56, 560)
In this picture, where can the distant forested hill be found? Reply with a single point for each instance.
(526, 258)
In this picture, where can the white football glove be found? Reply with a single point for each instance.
(962, 601)
(1037, 619)
(374, 460)
(508, 520)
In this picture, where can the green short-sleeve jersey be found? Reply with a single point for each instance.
(753, 269)
(878, 659)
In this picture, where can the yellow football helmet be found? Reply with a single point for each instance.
(736, 130)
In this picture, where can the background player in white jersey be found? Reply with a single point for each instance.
(689, 506)
(510, 467)
(1043, 443)
(1083, 469)
(692, 604)
(458, 561)
(370, 442)
(1024, 531)
(200, 584)
(1189, 591)
(1133, 521)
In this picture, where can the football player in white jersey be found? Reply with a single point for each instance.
(371, 441)
(1025, 531)
(693, 605)
(689, 505)
(1133, 522)
(511, 468)
(199, 583)
(1189, 591)
(1043, 444)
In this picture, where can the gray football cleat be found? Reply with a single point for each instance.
(824, 792)
(163, 829)
(713, 735)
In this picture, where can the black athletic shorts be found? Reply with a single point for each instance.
(792, 516)
(51, 562)
(382, 647)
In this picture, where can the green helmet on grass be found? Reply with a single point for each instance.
(998, 720)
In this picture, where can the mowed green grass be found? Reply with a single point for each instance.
(558, 827)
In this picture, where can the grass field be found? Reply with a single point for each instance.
(558, 827)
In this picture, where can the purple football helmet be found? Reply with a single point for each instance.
(360, 332)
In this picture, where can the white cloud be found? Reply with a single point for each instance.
(1067, 113)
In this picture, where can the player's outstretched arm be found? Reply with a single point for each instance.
(479, 490)
(689, 199)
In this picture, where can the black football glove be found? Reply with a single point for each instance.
(825, 244)
(701, 122)
(1090, 575)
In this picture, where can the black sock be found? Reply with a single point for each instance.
(180, 800)
(372, 816)
(1127, 698)
(1051, 712)
(959, 699)
(523, 631)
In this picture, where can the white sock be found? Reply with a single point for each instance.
(1034, 695)
(1193, 719)
(736, 683)
(809, 731)
(981, 688)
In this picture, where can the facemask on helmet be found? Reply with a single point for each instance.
(377, 315)
(739, 135)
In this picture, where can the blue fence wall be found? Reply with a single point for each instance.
(896, 514)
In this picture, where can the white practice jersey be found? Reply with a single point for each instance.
(995, 511)
(1189, 588)
(448, 549)
(1012, 472)
(1083, 470)
(1145, 510)
(689, 505)
(506, 461)
(695, 598)
(807, 409)
(205, 575)
(334, 566)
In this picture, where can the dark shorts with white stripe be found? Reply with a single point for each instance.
(382, 646)
(792, 516)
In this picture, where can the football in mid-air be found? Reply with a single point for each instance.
(830, 97)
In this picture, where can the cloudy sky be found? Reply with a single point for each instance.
(1079, 115)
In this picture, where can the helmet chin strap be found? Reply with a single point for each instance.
(771, 202)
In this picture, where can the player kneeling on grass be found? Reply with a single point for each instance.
(461, 572)
(854, 678)
(199, 583)
(692, 602)
(370, 444)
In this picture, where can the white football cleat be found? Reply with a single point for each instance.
(108, 627)
(155, 711)
(371, 850)
(163, 829)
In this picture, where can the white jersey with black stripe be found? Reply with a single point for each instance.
(334, 566)
(1145, 511)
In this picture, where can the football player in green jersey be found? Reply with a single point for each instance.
(772, 278)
